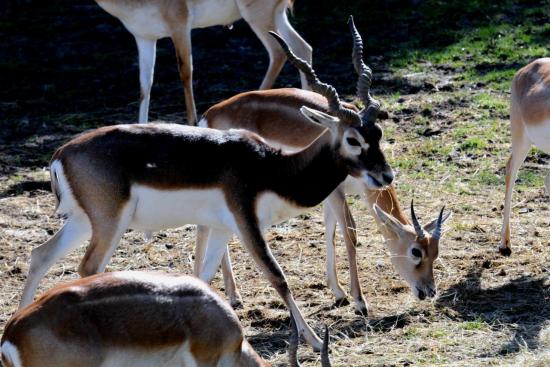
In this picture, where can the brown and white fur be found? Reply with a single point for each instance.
(150, 20)
(143, 177)
(275, 116)
(530, 125)
(130, 319)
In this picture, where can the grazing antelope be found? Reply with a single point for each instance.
(150, 20)
(530, 125)
(275, 116)
(142, 177)
(132, 319)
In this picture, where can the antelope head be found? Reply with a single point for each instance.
(355, 135)
(414, 249)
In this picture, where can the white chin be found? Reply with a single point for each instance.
(370, 182)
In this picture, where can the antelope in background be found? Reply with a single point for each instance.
(105, 183)
(275, 116)
(530, 125)
(150, 20)
(132, 319)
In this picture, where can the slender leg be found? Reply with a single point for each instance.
(547, 183)
(520, 148)
(297, 44)
(200, 248)
(215, 250)
(229, 281)
(254, 242)
(74, 232)
(147, 53)
(182, 43)
(106, 235)
(332, 275)
(338, 205)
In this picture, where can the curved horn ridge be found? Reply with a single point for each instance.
(436, 234)
(326, 90)
(293, 340)
(417, 227)
(372, 106)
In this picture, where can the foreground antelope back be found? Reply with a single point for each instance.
(130, 319)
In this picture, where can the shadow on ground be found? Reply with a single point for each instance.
(522, 304)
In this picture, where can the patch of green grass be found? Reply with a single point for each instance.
(477, 324)
(473, 143)
(411, 333)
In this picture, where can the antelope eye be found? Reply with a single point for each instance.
(353, 142)
(416, 252)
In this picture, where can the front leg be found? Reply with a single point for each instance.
(340, 208)
(254, 242)
(215, 250)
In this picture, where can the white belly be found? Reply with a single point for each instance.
(160, 209)
(539, 134)
(144, 21)
(206, 13)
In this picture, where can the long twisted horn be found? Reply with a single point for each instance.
(417, 227)
(372, 106)
(436, 234)
(325, 361)
(326, 90)
(293, 344)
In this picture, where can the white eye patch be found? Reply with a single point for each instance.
(353, 143)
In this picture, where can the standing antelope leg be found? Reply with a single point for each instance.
(300, 47)
(339, 207)
(74, 232)
(547, 183)
(332, 275)
(147, 53)
(200, 248)
(253, 240)
(215, 250)
(229, 281)
(520, 148)
(106, 235)
(182, 43)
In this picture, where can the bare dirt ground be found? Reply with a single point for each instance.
(67, 68)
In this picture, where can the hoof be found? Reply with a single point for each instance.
(362, 312)
(340, 303)
(237, 304)
(506, 251)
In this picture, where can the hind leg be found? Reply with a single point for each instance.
(547, 183)
(106, 234)
(520, 148)
(229, 281)
(74, 232)
(147, 53)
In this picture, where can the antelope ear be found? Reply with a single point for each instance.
(431, 226)
(320, 118)
(393, 224)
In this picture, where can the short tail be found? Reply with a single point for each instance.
(54, 181)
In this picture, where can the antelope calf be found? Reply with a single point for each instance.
(155, 176)
(150, 20)
(131, 319)
(275, 116)
(530, 125)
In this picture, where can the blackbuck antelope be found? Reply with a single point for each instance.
(132, 319)
(275, 116)
(150, 20)
(530, 125)
(155, 176)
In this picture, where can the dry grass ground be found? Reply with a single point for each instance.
(447, 137)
